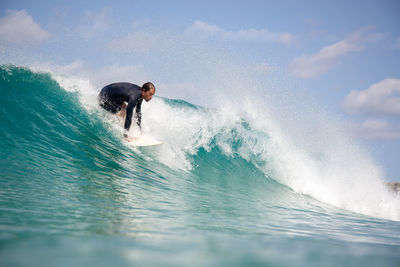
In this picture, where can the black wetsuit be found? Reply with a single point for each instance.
(114, 95)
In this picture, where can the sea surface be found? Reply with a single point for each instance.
(224, 189)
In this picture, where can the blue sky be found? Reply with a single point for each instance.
(343, 54)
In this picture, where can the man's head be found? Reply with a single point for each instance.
(148, 90)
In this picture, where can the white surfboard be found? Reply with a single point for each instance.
(143, 140)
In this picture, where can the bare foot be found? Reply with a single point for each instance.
(130, 139)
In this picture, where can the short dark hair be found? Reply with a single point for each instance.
(147, 86)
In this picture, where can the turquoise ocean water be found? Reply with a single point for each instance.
(221, 191)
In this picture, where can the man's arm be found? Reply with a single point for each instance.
(129, 111)
(139, 114)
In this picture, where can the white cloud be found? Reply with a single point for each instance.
(18, 27)
(375, 37)
(205, 28)
(382, 98)
(309, 66)
(261, 35)
(376, 130)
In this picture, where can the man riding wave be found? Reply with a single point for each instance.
(114, 97)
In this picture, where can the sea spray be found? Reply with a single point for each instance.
(307, 151)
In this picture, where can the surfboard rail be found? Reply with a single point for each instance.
(143, 140)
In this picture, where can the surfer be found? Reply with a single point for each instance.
(113, 97)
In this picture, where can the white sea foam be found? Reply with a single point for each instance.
(296, 145)
(330, 168)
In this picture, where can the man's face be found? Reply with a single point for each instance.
(148, 95)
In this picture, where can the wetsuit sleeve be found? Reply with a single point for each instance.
(129, 111)
(139, 114)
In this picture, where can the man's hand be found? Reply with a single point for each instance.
(127, 138)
